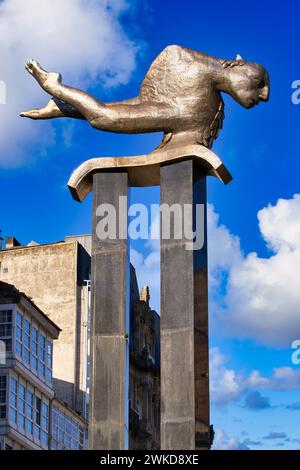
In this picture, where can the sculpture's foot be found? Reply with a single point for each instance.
(47, 80)
(49, 111)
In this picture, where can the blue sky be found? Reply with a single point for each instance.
(107, 48)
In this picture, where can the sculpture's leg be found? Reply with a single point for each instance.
(184, 318)
(126, 118)
(108, 416)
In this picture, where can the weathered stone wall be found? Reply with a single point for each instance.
(48, 274)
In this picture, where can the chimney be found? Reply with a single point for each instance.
(11, 242)
(145, 295)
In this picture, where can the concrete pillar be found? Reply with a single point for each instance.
(184, 319)
(108, 417)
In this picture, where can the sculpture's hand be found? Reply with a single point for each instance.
(53, 109)
(47, 112)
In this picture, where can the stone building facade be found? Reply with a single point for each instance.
(144, 390)
(57, 278)
(31, 416)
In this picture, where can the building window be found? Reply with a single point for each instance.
(66, 431)
(42, 355)
(3, 388)
(6, 328)
(81, 438)
(21, 406)
(44, 423)
(29, 412)
(37, 418)
(33, 347)
(26, 341)
(48, 360)
(13, 400)
(19, 334)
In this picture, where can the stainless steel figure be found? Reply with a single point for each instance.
(180, 95)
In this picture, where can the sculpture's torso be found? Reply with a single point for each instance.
(182, 79)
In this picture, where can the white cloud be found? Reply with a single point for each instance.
(82, 39)
(224, 248)
(262, 297)
(224, 442)
(250, 296)
(280, 224)
(227, 386)
(283, 378)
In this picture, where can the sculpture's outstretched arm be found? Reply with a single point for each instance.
(130, 101)
(57, 109)
(127, 117)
